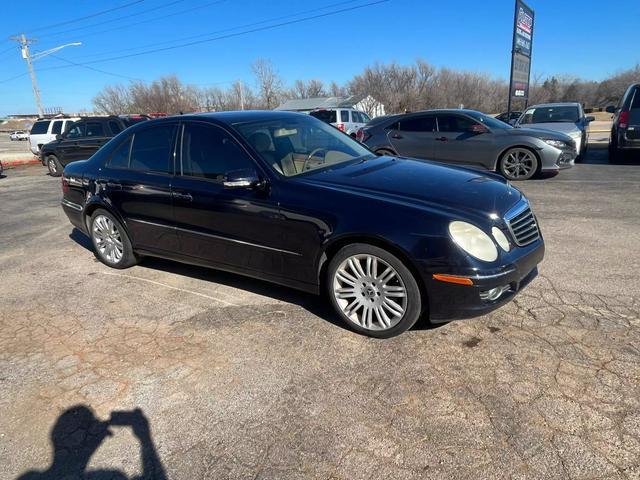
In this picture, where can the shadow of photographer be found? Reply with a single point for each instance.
(76, 436)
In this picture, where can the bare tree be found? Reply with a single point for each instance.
(113, 100)
(269, 83)
(308, 89)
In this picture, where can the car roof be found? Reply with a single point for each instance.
(556, 104)
(238, 116)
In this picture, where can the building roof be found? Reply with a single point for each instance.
(301, 104)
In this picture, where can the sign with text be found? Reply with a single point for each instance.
(521, 51)
(521, 65)
(523, 34)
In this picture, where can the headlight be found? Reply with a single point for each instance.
(556, 143)
(501, 239)
(473, 241)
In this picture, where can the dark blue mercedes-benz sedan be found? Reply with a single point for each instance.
(289, 199)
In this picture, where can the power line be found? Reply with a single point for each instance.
(221, 37)
(231, 35)
(120, 27)
(97, 69)
(111, 20)
(217, 32)
(103, 12)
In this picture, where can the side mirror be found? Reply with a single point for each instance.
(478, 128)
(611, 109)
(244, 178)
(589, 119)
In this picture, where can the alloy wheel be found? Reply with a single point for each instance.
(519, 163)
(370, 292)
(51, 163)
(107, 239)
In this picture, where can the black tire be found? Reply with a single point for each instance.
(385, 151)
(53, 164)
(411, 309)
(532, 165)
(128, 257)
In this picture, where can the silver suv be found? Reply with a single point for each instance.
(45, 131)
(346, 120)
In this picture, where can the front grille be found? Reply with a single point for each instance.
(523, 227)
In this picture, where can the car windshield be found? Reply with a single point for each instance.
(296, 145)
(561, 114)
(328, 116)
(489, 121)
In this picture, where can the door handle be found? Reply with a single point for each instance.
(182, 196)
(442, 139)
(396, 135)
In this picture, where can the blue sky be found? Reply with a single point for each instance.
(582, 38)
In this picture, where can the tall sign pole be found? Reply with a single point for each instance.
(522, 43)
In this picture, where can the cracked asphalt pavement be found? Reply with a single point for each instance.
(238, 379)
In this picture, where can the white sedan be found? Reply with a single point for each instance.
(19, 135)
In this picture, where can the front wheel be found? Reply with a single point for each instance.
(55, 169)
(110, 241)
(518, 163)
(373, 291)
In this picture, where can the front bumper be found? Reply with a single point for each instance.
(448, 301)
(554, 159)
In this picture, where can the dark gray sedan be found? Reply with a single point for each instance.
(467, 137)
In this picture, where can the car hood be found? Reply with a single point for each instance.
(422, 184)
(570, 129)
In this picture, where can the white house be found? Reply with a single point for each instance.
(367, 104)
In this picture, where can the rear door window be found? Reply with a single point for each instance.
(40, 127)
(344, 116)
(152, 149)
(120, 156)
(57, 127)
(426, 123)
(454, 123)
(95, 129)
(114, 127)
(635, 101)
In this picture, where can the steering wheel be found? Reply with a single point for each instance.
(304, 165)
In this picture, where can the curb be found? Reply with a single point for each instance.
(24, 161)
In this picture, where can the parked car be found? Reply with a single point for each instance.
(18, 135)
(510, 118)
(44, 130)
(467, 137)
(82, 139)
(567, 118)
(625, 131)
(284, 197)
(1, 169)
(346, 120)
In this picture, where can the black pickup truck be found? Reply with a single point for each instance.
(82, 139)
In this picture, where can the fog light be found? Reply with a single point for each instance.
(493, 294)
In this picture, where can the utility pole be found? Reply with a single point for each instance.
(26, 54)
(241, 96)
(24, 44)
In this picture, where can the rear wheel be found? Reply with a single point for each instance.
(110, 241)
(55, 169)
(518, 163)
(373, 291)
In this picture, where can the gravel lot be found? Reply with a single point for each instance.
(242, 379)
